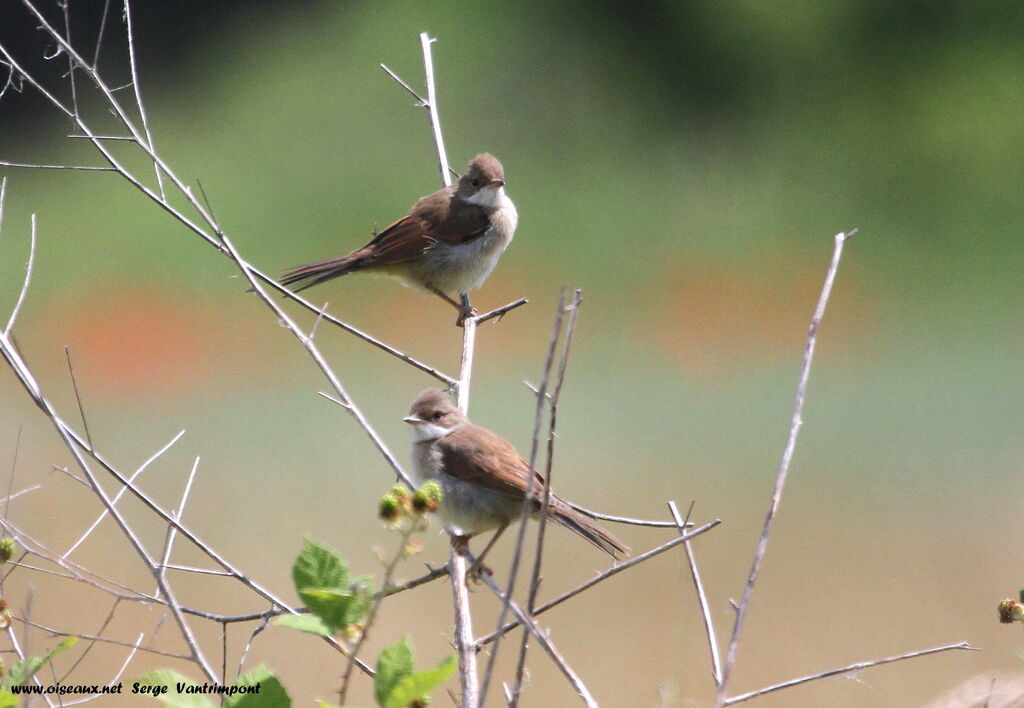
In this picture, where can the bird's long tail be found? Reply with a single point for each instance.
(571, 519)
(305, 276)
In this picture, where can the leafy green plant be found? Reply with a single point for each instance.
(396, 683)
(23, 670)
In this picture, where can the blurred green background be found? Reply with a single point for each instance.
(686, 165)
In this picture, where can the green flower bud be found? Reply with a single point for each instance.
(400, 491)
(389, 507)
(7, 548)
(427, 498)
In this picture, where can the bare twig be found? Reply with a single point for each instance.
(528, 498)
(563, 360)
(28, 270)
(783, 471)
(463, 631)
(171, 531)
(133, 65)
(500, 312)
(702, 598)
(431, 106)
(860, 666)
(78, 395)
(545, 642)
(421, 102)
(120, 492)
(83, 168)
(604, 575)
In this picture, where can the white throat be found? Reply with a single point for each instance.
(425, 432)
(490, 198)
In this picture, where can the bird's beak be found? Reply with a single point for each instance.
(412, 420)
(496, 183)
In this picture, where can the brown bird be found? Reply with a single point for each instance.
(483, 479)
(449, 242)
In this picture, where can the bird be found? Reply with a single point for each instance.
(483, 479)
(449, 242)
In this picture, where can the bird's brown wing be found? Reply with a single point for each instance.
(475, 454)
(431, 220)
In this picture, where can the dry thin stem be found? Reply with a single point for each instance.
(120, 493)
(463, 619)
(860, 666)
(28, 269)
(528, 498)
(783, 471)
(466, 363)
(602, 576)
(431, 106)
(563, 361)
(629, 521)
(172, 532)
(527, 620)
(371, 616)
(500, 312)
(75, 442)
(702, 598)
(150, 145)
(463, 633)
(83, 168)
(102, 640)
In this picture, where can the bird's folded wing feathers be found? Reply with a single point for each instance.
(495, 466)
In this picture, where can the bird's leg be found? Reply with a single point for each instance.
(466, 309)
(478, 566)
(444, 296)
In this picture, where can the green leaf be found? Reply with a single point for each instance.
(393, 665)
(304, 623)
(25, 669)
(418, 686)
(318, 567)
(163, 686)
(271, 692)
(322, 581)
(7, 699)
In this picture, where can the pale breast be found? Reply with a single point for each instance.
(462, 267)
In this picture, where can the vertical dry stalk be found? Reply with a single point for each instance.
(783, 471)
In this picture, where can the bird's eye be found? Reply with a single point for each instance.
(475, 182)
(436, 415)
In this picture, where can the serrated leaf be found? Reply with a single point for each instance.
(271, 692)
(172, 698)
(318, 567)
(418, 686)
(337, 607)
(304, 623)
(322, 581)
(25, 669)
(393, 665)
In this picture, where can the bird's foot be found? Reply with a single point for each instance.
(465, 315)
(477, 571)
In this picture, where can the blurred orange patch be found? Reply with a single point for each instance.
(143, 340)
(759, 313)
